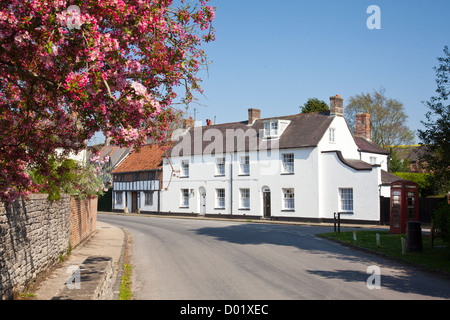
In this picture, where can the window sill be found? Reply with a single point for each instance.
(288, 210)
(245, 209)
(219, 175)
(287, 173)
(219, 208)
(244, 174)
(181, 177)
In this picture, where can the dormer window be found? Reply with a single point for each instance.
(274, 128)
(271, 129)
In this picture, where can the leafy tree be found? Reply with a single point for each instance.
(69, 69)
(396, 164)
(387, 118)
(70, 177)
(441, 222)
(314, 105)
(436, 136)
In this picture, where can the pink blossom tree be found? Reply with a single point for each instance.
(69, 69)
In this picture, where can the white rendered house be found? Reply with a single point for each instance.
(303, 166)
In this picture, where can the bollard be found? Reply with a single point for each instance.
(337, 220)
(403, 246)
(334, 221)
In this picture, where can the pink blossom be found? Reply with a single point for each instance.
(116, 74)
(139, 88)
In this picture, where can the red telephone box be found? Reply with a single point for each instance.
(404, 204)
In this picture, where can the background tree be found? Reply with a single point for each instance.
(314, 105)
(69, 69)
(436, 136)
(387, 118)
(396, 164)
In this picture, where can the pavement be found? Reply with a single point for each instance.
(107, 240)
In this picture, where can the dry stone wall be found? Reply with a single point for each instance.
(35, 233)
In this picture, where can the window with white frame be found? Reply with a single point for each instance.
(119, 197)
(288, 162)
(184, 198)
(220, 166)
(267, 129)
(332, 135)
(288, 199)
(244, 198)
(244, 165)
(373, 160)
(346, 199)
(148, 201)
(220, 198)
(185, 168)
(271, 129)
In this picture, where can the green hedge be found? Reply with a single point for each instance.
(426, 187)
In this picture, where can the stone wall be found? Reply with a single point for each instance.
(36, 233)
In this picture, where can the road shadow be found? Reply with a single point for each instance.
(301, 237)
(305, 239)
(401, 283)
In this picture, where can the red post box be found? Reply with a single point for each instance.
(404, 204)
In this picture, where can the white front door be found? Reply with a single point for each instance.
(202, 193)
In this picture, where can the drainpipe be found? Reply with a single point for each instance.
(159, 172)
(231, 184)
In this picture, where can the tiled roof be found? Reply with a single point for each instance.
(304, 130)
(149, 158)
(352, 163)
(369, 146)
(387, 178)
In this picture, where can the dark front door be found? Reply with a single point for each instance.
(134, 200)
(266, 200)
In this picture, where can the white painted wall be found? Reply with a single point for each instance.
(337, 175)
(143, 206)
(265, 171)
(316, 181)
(116, 205)
(381, 159)
(343, 140)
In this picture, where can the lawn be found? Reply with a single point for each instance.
(436, 257)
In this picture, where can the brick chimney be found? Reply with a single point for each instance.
(253, 114)
(336, 106)
(362, 126)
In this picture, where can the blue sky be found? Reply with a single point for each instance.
(274, 55)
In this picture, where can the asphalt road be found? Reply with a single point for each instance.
(178, 259)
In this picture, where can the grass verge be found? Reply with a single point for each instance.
(125, 283)
(125, 292)
(432, 258)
